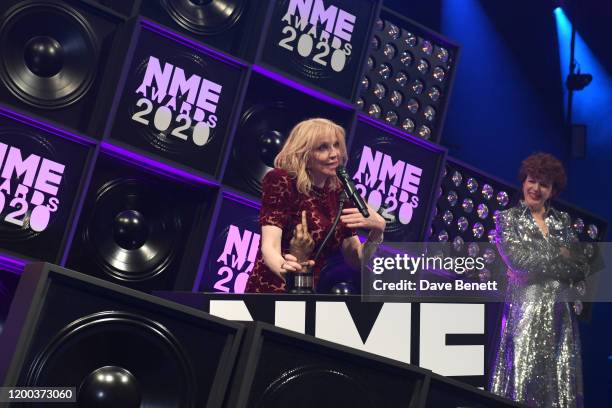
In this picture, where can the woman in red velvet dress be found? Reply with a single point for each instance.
(299, 204)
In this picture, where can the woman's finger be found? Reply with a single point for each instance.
(351, 216)
(290, 258)
(304, 222)
(293, 266)
(350, 211)
(298, 232)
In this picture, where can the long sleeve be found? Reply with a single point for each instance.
(528, 257)
(519, 254)
(577, 266)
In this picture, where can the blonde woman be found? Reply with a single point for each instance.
(299, 202)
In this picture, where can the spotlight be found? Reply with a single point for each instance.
(414, 70)
(577, 82)
(558, 4)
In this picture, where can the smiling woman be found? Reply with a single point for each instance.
(299, 203)
(538, 359)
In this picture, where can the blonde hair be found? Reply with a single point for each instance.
(298, 148)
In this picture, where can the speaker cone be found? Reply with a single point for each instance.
(262, 131)
(204, 17)
(50, 54)
(134, 229)
(117, 359)
(306, 387)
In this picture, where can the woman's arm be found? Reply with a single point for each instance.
(526, 257)
(519, 255)
(574, 263)
(354, 252)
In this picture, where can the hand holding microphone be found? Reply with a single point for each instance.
(351, 191)
(359, 217)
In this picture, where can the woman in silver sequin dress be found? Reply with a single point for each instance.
(538, 360)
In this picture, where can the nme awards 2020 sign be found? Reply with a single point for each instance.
(167, 90)
(177, 102)
(237, 260)
(28, 184)
(398, 175)
(40, 175)
(392, 184)
(333, 39)
(320, 41)
(233, 249)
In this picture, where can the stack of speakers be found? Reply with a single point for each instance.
(111, 346)
(124, 128)
(134, 137)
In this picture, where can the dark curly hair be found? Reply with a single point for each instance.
(544, 167)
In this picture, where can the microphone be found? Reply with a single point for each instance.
(351, 191)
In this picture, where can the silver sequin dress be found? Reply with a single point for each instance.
(538, 361)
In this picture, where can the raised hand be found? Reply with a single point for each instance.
(301, 244)
(352, 218)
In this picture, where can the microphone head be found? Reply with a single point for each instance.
(341, 171)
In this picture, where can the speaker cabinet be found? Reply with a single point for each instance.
(233, 246)
(280, 368)
(232, 26)
(118, 347)
(322, 43)
(125, 8)
(139, 229)
(40, 178)
(444, 392)
(60, 60)
(177, 101)
(8, 285)
(398, 172)
(270, 111)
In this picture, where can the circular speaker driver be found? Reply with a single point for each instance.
(159, 370)
(134, 230)
(204, 17)
(262, 131)
(306, 387)
(50, 54)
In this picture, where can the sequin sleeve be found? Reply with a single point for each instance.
(577, 266)
(278, 195)
(527, 257)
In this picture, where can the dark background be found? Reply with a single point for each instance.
(508, 102)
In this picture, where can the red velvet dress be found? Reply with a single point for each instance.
(282, 206)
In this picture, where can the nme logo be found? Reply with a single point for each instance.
(180, 103)
(238, 258)
(395, 184)
(27, 183)
(322, 33)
